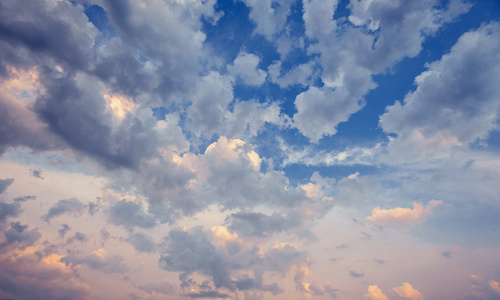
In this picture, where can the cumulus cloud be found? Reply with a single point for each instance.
(457, 89)
(71, 206)
(406, 291)
(349, 60)
(245, 67)
(374, 293)
(402, 216)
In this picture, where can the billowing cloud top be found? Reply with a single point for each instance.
(249, 149)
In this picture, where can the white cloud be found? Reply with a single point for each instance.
(460, 88)
(245, 67)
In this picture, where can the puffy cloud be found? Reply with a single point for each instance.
(406, 291)
(190, 252)
(374, 293)
(458, 89)
(245, 67)
(349, 60)
(210, 101)
(269, 16)
(130, 214)
(402, 216)
(72, 206)
(319, 110)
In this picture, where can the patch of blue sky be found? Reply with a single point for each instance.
(99, 18)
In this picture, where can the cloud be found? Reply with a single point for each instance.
(72, 206)
(245, 67)
(356, 274)
(349, 60)
(189, 252)
(98, 260)
(19, 237)
(130, 214)
(406, 291)
(77, 237)
(65, 228)
(269, 16)
(457, 89)
(374, 293)
(5, 183)
(27, 276)
(402, 216)
(142, 243)
(494, 286)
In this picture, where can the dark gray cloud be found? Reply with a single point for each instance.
(65, 228)
(77, 237)
(36, 173)
(142, 243)
(72, 206)
(260, 225)
(19, 237)
(5, 183)
(130, 214)
(8, 210)
(24, 198)
(190, 252)
(48, 30)
(356, 274)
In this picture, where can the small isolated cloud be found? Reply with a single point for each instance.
(406, 291)
(356, 274)
(36, 173)
(72, 205)
(374, 293)
(402, 216)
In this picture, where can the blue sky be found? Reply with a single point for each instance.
(249, 149)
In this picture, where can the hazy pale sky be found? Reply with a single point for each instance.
(250, 149)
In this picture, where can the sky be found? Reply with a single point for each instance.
(250, 149)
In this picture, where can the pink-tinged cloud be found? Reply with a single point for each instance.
(374, 293)
(495, 286)
(406, 291)
(402, 216)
